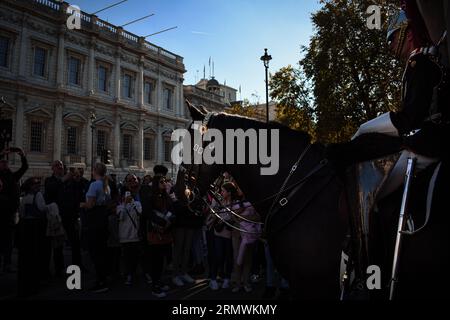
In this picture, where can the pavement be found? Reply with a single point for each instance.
(56, 289)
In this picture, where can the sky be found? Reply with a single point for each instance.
(233, 33)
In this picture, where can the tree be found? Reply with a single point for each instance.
(291, 92)
(353, 75)
(245, 109)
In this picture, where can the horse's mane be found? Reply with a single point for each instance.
(247, 123)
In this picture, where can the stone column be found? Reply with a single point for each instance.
(19, 125)
(117, 81)
(160, 157)
(61, 54)
(19, 121)
(91, 69)
(117, 138)
(159, 95)
(180, 99)
(89, 144)
(23, 48)
(57, 131)
(140, 83)
(140, 145)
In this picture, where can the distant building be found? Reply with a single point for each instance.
(211, 94)
(53, 78)
(261, 110)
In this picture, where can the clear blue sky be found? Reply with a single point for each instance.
(233, 32)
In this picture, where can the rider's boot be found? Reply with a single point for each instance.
(363, 184)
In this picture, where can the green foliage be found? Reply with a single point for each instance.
(245, 109)
(347, 69)
(290, 90)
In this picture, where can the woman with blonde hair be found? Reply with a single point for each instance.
(97, 199)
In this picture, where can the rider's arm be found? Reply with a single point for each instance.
(421, 76)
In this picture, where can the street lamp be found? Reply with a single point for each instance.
(93, 118)
(5, 126)
(266, 59)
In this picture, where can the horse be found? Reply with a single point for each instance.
(306, 235)
(306, 247)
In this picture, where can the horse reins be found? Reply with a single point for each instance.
(295, 187)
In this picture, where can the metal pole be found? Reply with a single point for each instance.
(160, 32)
(93, 149)
(93, 118)
(401, 226)
(108, 7)
(267, 93)
(137, 20)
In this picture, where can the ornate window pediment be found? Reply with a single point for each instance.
(75, 116)
(104, 123)
(149, 130)
(39, 112)
(128, 126)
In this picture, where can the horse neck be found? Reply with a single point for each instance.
(256, 187)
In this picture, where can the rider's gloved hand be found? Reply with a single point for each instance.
(365, 147)
(431, 141)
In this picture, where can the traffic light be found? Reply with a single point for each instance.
(106, 157)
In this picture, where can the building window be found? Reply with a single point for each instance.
(4, 49)
(40, 60)
(102, 79)
(127, 86)
(149, 149)
(36, 136)
(168, 98)
(101, 142)
(127, 150)
(149, 92)
(167, 150)
(72, 140)
(74, 70)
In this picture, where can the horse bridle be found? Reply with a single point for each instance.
(192, 192)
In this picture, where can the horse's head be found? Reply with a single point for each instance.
(258, 155)
(194, 179)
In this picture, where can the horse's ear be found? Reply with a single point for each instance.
(196, 114)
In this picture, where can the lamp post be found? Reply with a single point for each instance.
(5, 127)
(93, 118)
(266, 59)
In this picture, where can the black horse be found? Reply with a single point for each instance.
(306, 236)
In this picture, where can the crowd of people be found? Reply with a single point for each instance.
(134, 230)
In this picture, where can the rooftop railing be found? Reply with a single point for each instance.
(110, 30)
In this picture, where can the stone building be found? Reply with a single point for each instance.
(211, 94)
(53, 79)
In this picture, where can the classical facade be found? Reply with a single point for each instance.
(210, 94)
(54, 80)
